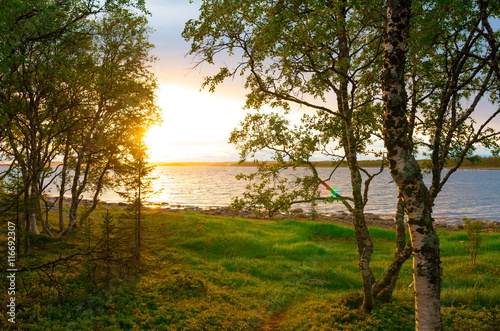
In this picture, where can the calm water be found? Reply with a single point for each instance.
(471, 193)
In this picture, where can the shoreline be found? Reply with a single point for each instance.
(318, 164)
(340, 216)
(343, 218)
(247, 164)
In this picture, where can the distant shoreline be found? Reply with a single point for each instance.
(487, 163)
(322, 164)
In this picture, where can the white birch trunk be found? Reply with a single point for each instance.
(406, 172)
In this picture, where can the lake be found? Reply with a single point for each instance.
(470, 193)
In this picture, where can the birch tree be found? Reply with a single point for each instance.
(406, 171)
(439, 98)
(37, 95)
(321, 55)
(119, 103)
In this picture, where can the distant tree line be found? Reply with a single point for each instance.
(76, 99)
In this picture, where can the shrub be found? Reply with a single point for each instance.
(473, 243)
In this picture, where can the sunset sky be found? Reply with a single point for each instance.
(196, 123)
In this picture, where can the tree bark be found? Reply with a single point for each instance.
(350, 143)
(384, 287)
(99, 184)
(62, 191)
(76, 191)
(30, 210)
(363, 239)
(406, 171)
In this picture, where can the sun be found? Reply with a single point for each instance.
(154, 142)
(191, 120)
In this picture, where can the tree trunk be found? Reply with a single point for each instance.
(384, 288)
(45, 221)
(97, 192)
(138, 216)
(75, 196)
(406, 171)
(29, 212)
(363, 239)
(350, 142)
(62, 191)
(32, 228)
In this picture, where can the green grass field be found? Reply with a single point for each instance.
(201, 272)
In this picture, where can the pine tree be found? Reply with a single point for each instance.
(137, 189)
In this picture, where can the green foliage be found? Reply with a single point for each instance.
(473, 243)
(269, 192)
(75, 83)
(108, 260)
(476, 318)
(449, 82)
(302, 54)
(278, 184)
(336, 315)
(292, 47)
(137, 183)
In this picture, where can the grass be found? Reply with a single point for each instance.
(214, 273)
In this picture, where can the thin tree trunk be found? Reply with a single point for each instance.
(139, 207)
(76, 190)
(45, 221)
(384, 288)
(406, 171)
(26, 221)
(363, 239)
(98, 190)
(350, 142)
(63, 186)
(30, 212)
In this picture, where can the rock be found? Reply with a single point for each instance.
(297, 211)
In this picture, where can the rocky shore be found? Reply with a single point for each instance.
(343, 218)
(339, 217)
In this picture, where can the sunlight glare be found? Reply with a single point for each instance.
(195, 124)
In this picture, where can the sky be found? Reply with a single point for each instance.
(196, 124)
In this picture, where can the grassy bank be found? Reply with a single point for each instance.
(201, 272)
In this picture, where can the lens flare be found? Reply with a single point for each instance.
(334, 191)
